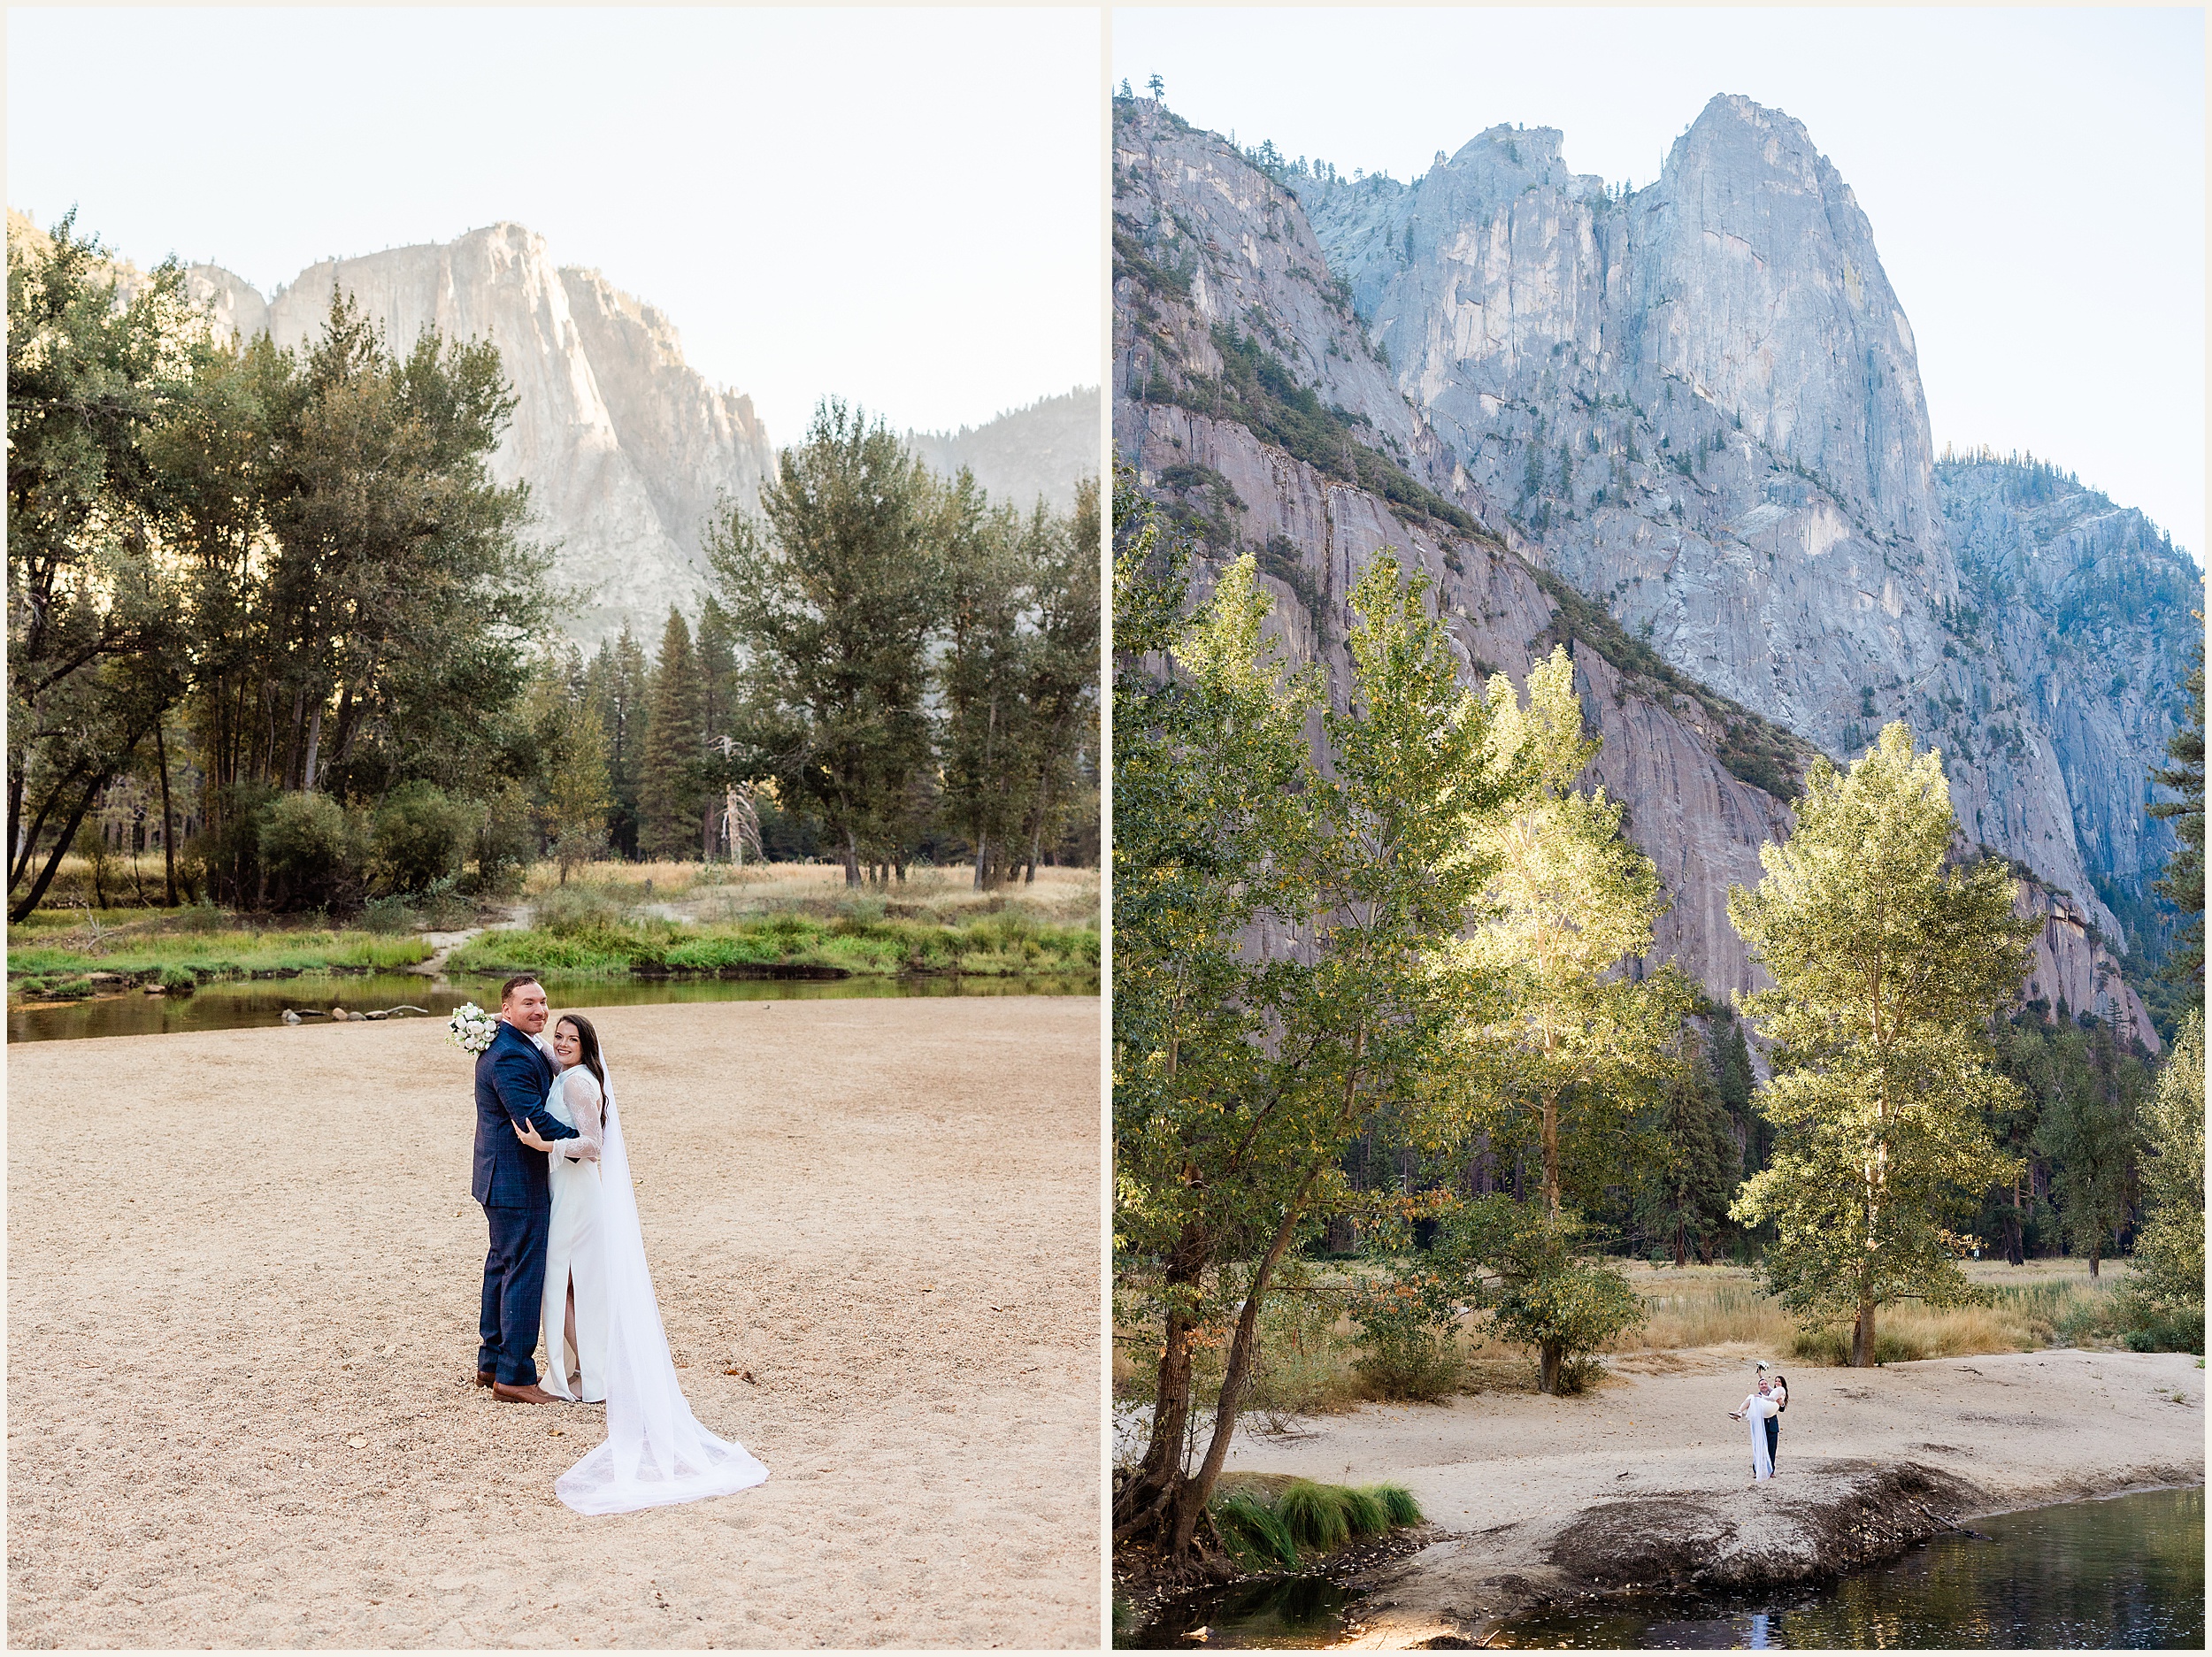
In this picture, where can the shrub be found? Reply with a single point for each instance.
(387, 914)
(505, 844)
(2156, 1325)
(306, 848)
(417, 837)
(178, 981)
(1832, 1346)
(571, 910)
(1407, 1352)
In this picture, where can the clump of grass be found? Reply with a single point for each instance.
(1253, 1531)
(1271, 1522)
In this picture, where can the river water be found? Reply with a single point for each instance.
(2126, 1573)
(246, 1003)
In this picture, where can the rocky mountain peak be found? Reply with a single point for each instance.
(628, 452)
(1695, 410)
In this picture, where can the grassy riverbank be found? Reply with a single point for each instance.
(686, 918)
(609, 920)
(68, 957)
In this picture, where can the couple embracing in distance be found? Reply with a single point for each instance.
(1763, 1410)
(567, 1253)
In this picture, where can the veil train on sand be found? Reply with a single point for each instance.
(656, 1452)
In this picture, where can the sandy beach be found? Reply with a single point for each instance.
(1643, 1482)
(244, 1273)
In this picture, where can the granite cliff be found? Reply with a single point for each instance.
(626, 449)
(1682, 428)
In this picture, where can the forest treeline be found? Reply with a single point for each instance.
(1398, 1003)
(270, 612)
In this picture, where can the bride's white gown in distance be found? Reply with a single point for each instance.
(1756, 1408)
(573, 1253)
(656, 1452)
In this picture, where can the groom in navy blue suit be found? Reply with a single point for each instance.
(513, 1077)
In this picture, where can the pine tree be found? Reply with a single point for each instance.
(576, 789)
(835, 591)
(2088, 1130)
(616, 685)
(668, 779)
(1888, 965)
(719, 715)
(1699, 1168)
(2183, 883)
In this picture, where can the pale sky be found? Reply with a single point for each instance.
(899, 206)
(2035, 179)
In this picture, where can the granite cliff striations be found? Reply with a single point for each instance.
(1681, 426)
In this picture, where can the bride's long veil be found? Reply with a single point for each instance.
(656, 1452)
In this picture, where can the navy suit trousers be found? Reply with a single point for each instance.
(1774, 1430)
(514, 1292)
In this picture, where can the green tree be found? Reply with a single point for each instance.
(571, 749)
(2183, 883)
(986, 729)
(1575, 906)
(1888, 965)
(1060, 557)
(719, 712)
(1541, 1291)
(1240, 1079)
(668, 793)
(617, 685)
(2169, 1248)
(2087, 1128)
(1685, 1195)
(93, 661)
(834, 592)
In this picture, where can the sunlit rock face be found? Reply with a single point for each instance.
(628, 452)
(1746, 487)
(1700, 403)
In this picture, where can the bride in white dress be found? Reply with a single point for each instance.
(656, 1452)
(575, 1314)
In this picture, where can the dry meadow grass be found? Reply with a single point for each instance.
(1310, 1359)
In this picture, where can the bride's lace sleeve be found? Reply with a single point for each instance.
(579, 1091)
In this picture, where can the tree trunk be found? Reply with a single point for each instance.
(1551, 1153)
(852, 860)
(1550, 1359)
(1863, 1335)
(29, 901)
(1191, 1501)
(168, 822)
(314, 746)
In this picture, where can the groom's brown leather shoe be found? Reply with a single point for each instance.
(485, 1378)
(531, 1394)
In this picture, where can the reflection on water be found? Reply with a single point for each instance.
(1296, 1614)
(232, 1006)
(2123, 1574)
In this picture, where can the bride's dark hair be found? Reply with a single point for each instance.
(586, 1046)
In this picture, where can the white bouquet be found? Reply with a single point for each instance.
(470, 1028)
